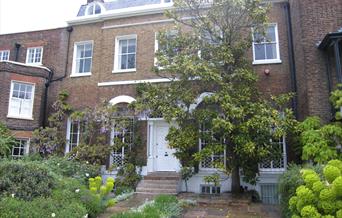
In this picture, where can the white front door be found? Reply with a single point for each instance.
(164, 155)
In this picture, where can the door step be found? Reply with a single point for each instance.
(159, 183)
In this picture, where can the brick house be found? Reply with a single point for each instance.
(29, 63)
(109, 48)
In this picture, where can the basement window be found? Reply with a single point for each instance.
(21, 148)
(269, 193)
(210, 189)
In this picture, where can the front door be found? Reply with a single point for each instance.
(164, 159)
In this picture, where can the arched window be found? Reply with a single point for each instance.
(94, 8)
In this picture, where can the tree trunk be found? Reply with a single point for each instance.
(235, 180)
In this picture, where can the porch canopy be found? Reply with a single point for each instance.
(333, 42)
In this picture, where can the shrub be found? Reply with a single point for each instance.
(40, 208)
(318, 196)
(25, 180)
(71, 168)
(162, 206)
(128, 177)
(288, 183)
(6, 141)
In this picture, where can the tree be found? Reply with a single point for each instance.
(6, 141)
(208, 55)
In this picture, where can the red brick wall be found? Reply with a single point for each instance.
(312, 20)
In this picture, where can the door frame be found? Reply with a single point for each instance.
(152, 163)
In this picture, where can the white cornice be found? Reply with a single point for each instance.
(121, 13)
(133, 82)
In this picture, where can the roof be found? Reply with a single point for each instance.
(119, 4)
(20, 68)
(328, 39)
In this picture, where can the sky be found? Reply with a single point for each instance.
(29, 15)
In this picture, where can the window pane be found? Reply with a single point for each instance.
(131, 61)
(16, 86)
(271, 35)
(90, 10)
(123, 62)
(123, 46)
(97, 9)
(88, 50)
(87, 65)
(15, 94)
(259, 50)
(271, 51)
(131, 46)
(80, 49)
(258, 37)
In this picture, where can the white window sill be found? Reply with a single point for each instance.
(278, 61)
(80, 74)
(272, 170)
(35, 64)
(20, 118)
(125, 71)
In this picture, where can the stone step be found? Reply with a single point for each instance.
(152, 185)
(154, 194)
(162, 176)
(160, 182)
(156, 190)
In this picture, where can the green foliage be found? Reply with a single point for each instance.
(186, 174)
(128, 176)
(164, 206)
(319, 196)
(40, 208)
(336, 99)
(6, 141)
(25, 180)
(71, 168)
(320, 142)
(51, 139)
(57, 181)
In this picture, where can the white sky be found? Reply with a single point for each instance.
(28, 15)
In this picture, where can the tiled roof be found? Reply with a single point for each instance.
(120, 4)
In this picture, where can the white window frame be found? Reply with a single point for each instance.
(272, 169)
(94, 4)
(18, 116)
(26, 148)
(68, 147)
(2, 55)
(35, 51)
(156, 46)
(212, 157)
(116, 55)
(74, 64)
(268, 61)
(119, 153)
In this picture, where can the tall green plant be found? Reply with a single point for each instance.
(6, 141)
(211, 58)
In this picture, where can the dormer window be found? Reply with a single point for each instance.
(94, 9)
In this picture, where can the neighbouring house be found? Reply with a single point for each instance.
(109, 48)
(29, 62)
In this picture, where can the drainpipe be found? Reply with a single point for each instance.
(69, 29)
(17, 49)
(45, 101)
(292, 62)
